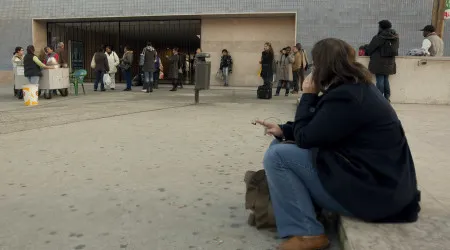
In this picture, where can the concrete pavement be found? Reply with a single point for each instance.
(120, 170)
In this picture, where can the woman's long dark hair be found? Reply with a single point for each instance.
(17, 50)
(335, 63)
(270, 48)
(30, 49)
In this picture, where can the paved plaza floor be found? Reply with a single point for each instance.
(129, 170)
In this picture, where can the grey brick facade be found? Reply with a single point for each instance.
(352, 20)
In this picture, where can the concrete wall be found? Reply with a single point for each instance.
(352, 20)
(419, 80)
(244, 38)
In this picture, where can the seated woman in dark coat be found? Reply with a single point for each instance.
(350, 154)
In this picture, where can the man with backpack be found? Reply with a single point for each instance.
(382, 51)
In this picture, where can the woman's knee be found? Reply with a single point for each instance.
(286, 156)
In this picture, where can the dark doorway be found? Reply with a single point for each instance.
(164, 35)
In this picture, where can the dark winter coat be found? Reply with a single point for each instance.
(361, 152)
(267, 65)
(30, 67)
(174, 66)
(380, 64)
(226, 62)
(149, 59)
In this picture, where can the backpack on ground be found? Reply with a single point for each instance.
(257, 200)
(264, 92)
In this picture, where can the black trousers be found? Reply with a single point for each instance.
(299, 78)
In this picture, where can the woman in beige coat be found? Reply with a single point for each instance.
(284, 71)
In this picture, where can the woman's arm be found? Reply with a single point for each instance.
(106, 63)
(116, 59)
(40, 64)
(336, 118)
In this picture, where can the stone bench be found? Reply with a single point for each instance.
(430, 232)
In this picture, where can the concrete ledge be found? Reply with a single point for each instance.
(6, 77)
(430, 232)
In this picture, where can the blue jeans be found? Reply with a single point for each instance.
(34, 79)
(156, 78)
(148, 81)
(127, 74)
(294, 184)
(99, 79)
(383, 85)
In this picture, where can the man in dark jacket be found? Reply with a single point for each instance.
(149, 67)
(382, 51)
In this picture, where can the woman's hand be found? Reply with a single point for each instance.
(309, 87)
(271, 128)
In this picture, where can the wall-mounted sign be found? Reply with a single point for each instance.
(77, 55)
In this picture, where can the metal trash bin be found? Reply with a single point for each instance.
(202, 72)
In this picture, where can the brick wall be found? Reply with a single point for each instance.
(352, 20)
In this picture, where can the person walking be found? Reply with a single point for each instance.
(149, 53)
(113, 62)
(226, 66)
(433, 45)
(125, 65)
(285, 71)
(33, 66)
(174, 69)
(100, 65)
(267, 57)
(382, 51)
(299, 67)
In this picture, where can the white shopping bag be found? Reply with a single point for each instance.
(106, 79)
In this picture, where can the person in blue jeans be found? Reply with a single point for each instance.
(126, 64)
(345, 152)
(382, 51)
(101, 66)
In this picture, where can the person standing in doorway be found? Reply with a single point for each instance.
(226, 66)
(51, 58)
(182, 72)
(174, 69)
(149, 54)
(62, 55)
(113, 62)
(158, 69)
(285, 75)
(101, 66)
(299, 67)
(433, 45)
(382, 51)
(267, 57)
(33, 66)
(125, 65)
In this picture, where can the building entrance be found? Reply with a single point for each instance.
(84, 37)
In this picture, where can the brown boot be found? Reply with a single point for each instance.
(306, 243)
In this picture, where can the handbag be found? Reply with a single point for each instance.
(161, 75)
(107, 79)
(219, 75)
(142, 58)
(124, 66)
(93, 63)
